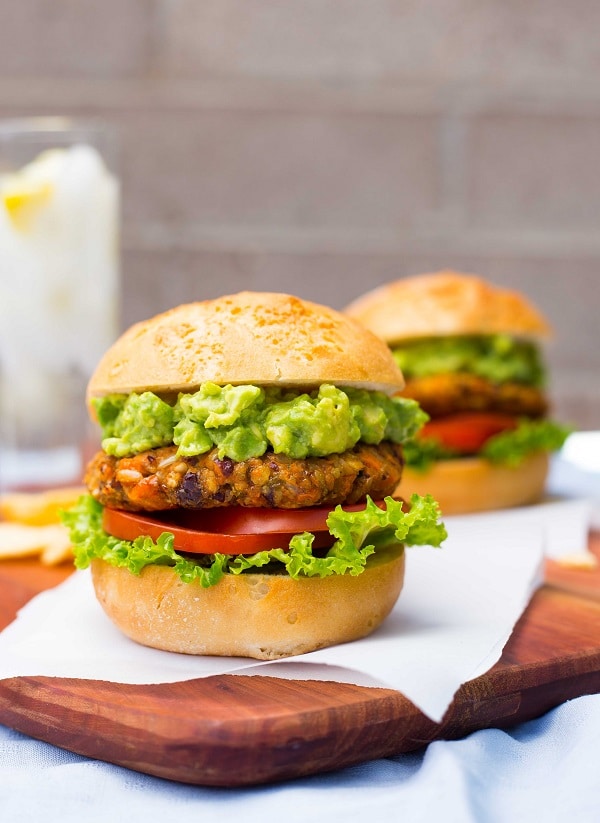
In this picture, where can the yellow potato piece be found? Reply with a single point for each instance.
(581, 561)
(38, 508)
(58, 546)
(51, 543)
(17, 540)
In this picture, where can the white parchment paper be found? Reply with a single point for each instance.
(454, 616)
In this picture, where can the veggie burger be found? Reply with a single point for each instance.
(241, 503)
(471, 356)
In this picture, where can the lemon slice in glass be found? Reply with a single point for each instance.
(29, 189)
(23, 198)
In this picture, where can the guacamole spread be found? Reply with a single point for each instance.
(245, 421)
(498, 358)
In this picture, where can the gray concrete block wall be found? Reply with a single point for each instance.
(325, 146)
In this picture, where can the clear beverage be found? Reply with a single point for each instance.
(59, 292)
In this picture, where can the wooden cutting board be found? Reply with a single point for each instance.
(235, 730)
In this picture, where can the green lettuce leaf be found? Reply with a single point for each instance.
(512, 447)
(420, 454)
(358, 535)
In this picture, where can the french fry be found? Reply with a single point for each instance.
(18, 540)
(581, 561)
(38, 508)
(30, 525)
(58, 546)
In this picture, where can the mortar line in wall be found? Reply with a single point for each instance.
(186, 95)
(289, 240)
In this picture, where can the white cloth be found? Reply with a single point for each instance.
(546, 769)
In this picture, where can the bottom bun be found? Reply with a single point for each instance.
(265, 616)
(471, 484)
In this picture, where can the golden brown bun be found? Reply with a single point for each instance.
(446, 303)
(261, 338)
(249, 615)
(471, 484)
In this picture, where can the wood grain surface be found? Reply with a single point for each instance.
(235, 730)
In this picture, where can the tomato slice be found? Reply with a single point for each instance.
(466, 432)
(229, 530)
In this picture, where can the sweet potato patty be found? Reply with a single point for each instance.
(158, 479)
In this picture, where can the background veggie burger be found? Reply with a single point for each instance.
(471, 356)
(241, 503)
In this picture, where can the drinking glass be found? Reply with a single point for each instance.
(59, 291)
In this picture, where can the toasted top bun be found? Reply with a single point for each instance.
(446, 303)
(261, 338)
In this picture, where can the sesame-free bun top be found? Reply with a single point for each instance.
(446, 303)
(262, 338)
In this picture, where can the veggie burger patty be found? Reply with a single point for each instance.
(160, 479)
